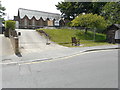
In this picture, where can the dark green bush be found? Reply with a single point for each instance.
(9, 24)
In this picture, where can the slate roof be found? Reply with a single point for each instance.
(118, 25)
(37, 14)
(115, 26)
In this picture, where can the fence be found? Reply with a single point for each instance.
(45, 34)
(65, 27)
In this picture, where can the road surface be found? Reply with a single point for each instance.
(88, 70)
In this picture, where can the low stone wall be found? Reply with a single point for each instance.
(14, 40)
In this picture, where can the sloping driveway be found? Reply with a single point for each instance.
(31, 41)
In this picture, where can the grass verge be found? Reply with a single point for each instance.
(63, 37)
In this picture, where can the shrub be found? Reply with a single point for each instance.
(9, 24)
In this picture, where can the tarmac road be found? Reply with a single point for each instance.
(97, 69)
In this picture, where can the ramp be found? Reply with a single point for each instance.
(31, 41)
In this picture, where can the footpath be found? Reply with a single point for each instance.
(52, 54)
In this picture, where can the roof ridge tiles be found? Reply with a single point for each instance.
(38, 11)
(37, 14)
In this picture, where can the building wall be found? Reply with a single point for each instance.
(41, 22)
(62, 23)
(33, 23)
(111, 34)
(24, 23)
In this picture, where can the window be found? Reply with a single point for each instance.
(25, 22)
(33, 22)
(30, 22)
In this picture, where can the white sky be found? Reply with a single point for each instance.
(40, 5)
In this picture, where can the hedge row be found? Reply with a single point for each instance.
(9, 25)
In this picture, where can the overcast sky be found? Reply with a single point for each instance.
(41, 5)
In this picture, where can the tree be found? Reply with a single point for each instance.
(67, 9)
(92, 21)
(70, 10)
(1, 10)
(111, 12)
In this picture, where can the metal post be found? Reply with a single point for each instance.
(94, 34)
(47, 43)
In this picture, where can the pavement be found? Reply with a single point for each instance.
(5, 46)
(52, 54)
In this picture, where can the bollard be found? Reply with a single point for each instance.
(16, 45)
(19, 33)
(47, 43)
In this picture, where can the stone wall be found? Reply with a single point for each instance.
(14, 40)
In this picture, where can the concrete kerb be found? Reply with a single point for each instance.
(47, 59)
(100, 49)
(85, 51)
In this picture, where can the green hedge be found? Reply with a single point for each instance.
(9, 24)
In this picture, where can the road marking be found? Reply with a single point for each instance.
(63, 58)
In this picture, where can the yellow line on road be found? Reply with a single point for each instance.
(63, 58)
